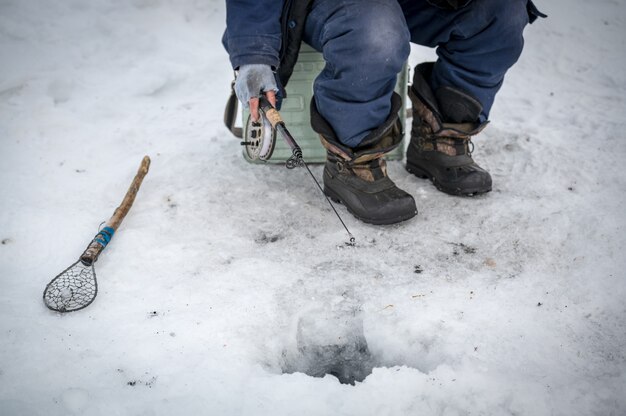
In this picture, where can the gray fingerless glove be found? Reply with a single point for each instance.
(252, 80)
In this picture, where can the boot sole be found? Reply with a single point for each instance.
(424, 174)
(384, 221)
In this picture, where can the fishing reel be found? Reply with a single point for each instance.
(259, 138)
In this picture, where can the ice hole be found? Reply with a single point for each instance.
(330, 342)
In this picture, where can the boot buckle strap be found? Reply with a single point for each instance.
(451, 146)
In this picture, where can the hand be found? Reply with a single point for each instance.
(252, 81)
(254, 104)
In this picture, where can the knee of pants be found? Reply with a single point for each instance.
(504, 19)
(369, 41)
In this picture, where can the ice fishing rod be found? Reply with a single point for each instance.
(261, 137)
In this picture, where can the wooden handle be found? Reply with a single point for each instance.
(127, 202)
(272, 115)
(97, 245)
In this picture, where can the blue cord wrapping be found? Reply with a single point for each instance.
(104, 236)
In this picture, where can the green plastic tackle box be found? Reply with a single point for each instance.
(295, 111)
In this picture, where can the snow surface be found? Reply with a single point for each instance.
(226, 275)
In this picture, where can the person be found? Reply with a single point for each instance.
(365, 44)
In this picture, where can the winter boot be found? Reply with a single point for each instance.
(358, 177)
(441, 146)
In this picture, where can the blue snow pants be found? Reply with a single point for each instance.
(365, 43)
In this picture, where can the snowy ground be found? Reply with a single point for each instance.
(225, 272)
